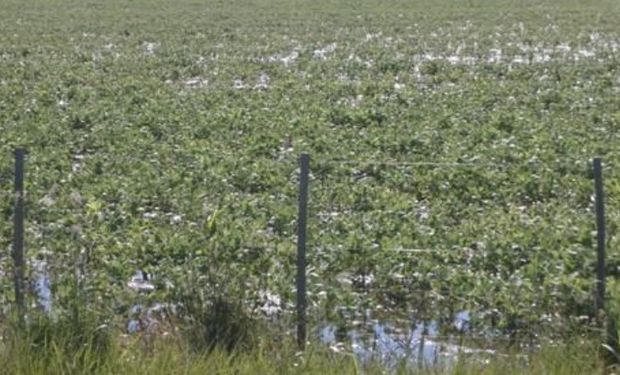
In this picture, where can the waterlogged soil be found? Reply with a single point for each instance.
(450, 155)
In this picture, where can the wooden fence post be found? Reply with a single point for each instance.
(602, 314)
(600, 236)
(304, 171)
(18, 235)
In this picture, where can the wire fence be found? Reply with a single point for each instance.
(357, 254)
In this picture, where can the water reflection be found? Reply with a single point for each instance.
(42, 286)
(421, 346)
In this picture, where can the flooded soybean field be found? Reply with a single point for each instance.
(451, 205)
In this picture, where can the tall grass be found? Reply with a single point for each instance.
(214, 334)
(69, 350)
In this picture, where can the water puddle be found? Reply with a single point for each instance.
(149, 319)
(42, 286)
(139, 282)
(419, 345)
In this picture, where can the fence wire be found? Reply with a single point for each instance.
(42, 207)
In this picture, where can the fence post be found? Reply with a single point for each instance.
(18, 234)
(610, 332)
(600, 236)
(304, 171)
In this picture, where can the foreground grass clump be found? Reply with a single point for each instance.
(172, 355)
(217, 322)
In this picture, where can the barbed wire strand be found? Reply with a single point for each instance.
(83, 159)
(580, 163)
(465, 336)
